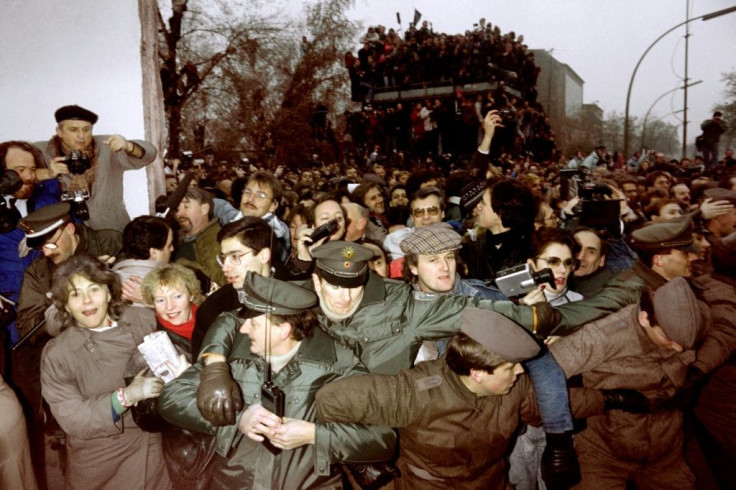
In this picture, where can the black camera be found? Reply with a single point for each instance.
(521, 279)
(9, 184)
(77, 162)
(77, 199)
(324, 230)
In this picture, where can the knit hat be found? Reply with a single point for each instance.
(472, 193)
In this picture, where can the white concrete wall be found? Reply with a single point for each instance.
(84, 52)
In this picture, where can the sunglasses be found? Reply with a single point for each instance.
(556, 261)
(420, 212)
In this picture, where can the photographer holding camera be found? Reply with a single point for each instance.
(91, 167)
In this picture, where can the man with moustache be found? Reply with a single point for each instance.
(109, 156)
(198, 234)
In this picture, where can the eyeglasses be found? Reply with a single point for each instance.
(52, 245)
(235, 258)
(259, 194)
(421, 212)
(556, 261)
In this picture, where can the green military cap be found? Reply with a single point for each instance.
(263, 295)
(343, 264)
(662, 235)
(679, 313)
(719, 194)
(431, 239)
(41, 224)
(498, 334)
(75, 112)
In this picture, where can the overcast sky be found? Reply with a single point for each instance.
(601, 40)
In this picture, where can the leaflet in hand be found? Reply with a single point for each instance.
(157, 349)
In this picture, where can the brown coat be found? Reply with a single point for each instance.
(80, 369)
(16, 470)
(615, 352)
(452, 436)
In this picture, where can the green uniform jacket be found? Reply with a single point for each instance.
(250, 465)
(392, 321)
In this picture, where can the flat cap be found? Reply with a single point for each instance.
(431, 239)
(679, 313)
(498, 334)
(343, 264)
(719, 194)
(662, 235)
(471, 194)
(41, 224)
(75, 112)
(263, 295)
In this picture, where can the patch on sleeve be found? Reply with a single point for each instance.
(422, 296)
(424, 384)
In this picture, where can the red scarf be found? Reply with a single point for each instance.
(185, 329)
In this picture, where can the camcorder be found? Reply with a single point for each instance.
(77, 162)
(596, 210)
(10, 182)
(324, 230)
(521, 279)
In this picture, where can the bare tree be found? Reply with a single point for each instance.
(247, 79)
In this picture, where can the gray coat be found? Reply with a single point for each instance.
(106, 206)
(80, 370)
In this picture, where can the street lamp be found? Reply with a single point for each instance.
(646, 116)
(705, 17)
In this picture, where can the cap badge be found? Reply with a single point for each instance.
(348, 253)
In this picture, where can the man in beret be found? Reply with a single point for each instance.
(109, 157)
(457, 416)
(645, 346)
(289, 449)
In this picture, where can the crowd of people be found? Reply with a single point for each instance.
(442, 125)
(368, 322)
(423, 56)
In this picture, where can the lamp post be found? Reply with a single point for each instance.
(705, 17)
(646, 116)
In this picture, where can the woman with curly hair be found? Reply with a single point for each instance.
(83, 379)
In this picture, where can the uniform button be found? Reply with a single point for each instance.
(365, 339)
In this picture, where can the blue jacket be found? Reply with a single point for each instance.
(11, 265)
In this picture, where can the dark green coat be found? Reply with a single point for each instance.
(393, 320)
(250, 465)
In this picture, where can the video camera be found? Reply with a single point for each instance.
(596, 210)
(10, 182)
(521, 279)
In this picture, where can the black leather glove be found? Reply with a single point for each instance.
(373, 476)
(626, 400)
(560, 468)
(547, 318)
(218, 395)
